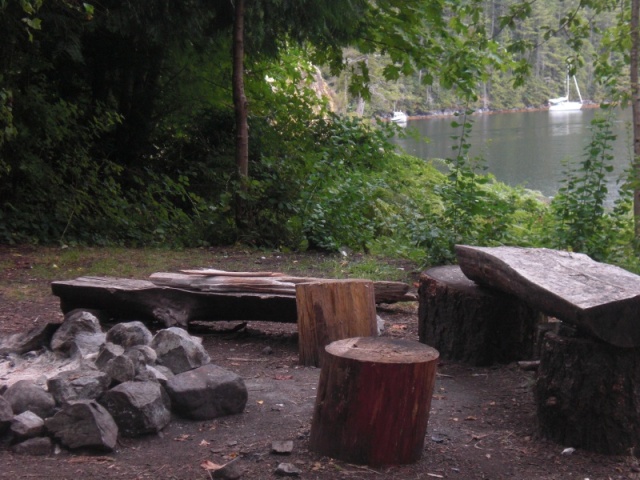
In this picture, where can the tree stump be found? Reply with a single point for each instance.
(373, 401)
(332, 310)
(587, 394)
(473, 324)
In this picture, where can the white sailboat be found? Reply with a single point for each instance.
(399, 117)
(564, 104)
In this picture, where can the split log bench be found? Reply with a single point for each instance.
(587, 390)
(175, 299)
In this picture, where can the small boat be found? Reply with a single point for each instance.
(399, 117)
(564, 104)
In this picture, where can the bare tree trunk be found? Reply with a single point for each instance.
(240, 105)
(635, 107)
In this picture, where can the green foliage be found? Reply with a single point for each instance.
(583, 222)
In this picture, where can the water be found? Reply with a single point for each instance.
(526, 148)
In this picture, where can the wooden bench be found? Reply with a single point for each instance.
(175, 299)
(587, 389)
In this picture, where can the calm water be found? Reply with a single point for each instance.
(525, 148)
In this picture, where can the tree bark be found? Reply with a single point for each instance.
(601, 299)
(373, 401)
(333, 310)
(635, 110)
(587, 394)
(241, 114)
(472, 324)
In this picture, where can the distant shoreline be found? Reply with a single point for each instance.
(485, 112)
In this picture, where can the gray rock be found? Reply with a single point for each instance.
(34, 339)
(129, 334)
(107, 352)
(83, 384)
(158, 373)
(6, 415)
(229, 471)
(34, 446)
(207, 392)
(27, 425)
(86, 344)
(142, 355)
(282, 447)
(121, 369)
(84, 424)
(25, 395)
(178, 350)
(287, 470)
(75, 322)
(138, 408)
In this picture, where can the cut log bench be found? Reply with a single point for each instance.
(587, 389)
(175, 299)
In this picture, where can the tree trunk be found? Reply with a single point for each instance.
(635, 109)
(240, 106)
(373, 401)
(588, 394)
(472, 324)
(333, 310)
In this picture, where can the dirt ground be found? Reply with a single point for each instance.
(482, 423)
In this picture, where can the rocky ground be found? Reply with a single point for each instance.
(482, 423)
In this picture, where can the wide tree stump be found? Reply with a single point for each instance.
(332, 310)
(588, 394)
(373, 401)
(472, 324)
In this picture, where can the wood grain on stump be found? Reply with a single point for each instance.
(588, 394)
(373, 401)
(601, 299)
(472, 324)
(332, 310)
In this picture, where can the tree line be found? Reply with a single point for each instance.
(119, 123)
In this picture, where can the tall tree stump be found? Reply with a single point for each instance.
(473, 324)
(587, 394)
(332, 310)
(373, 401)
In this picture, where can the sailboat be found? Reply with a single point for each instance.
(563, 104)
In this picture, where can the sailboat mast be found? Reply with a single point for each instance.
(577, 88)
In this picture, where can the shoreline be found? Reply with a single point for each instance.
(485, 112)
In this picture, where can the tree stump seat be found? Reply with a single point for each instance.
(373, 400)
(466, 322)
(587, 394)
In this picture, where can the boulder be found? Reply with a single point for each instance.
(25, 395)
(107, 352)
(121, 369)
(142, 355)
(82, 384)
(84, 424)
(138, 408)
(178, 350)
(86, 344)
(207, 392)
(75, 322)
(34, 446)
(158, 373)
(6, 415)
(27, 425)
(35, 339)
(128, 334)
